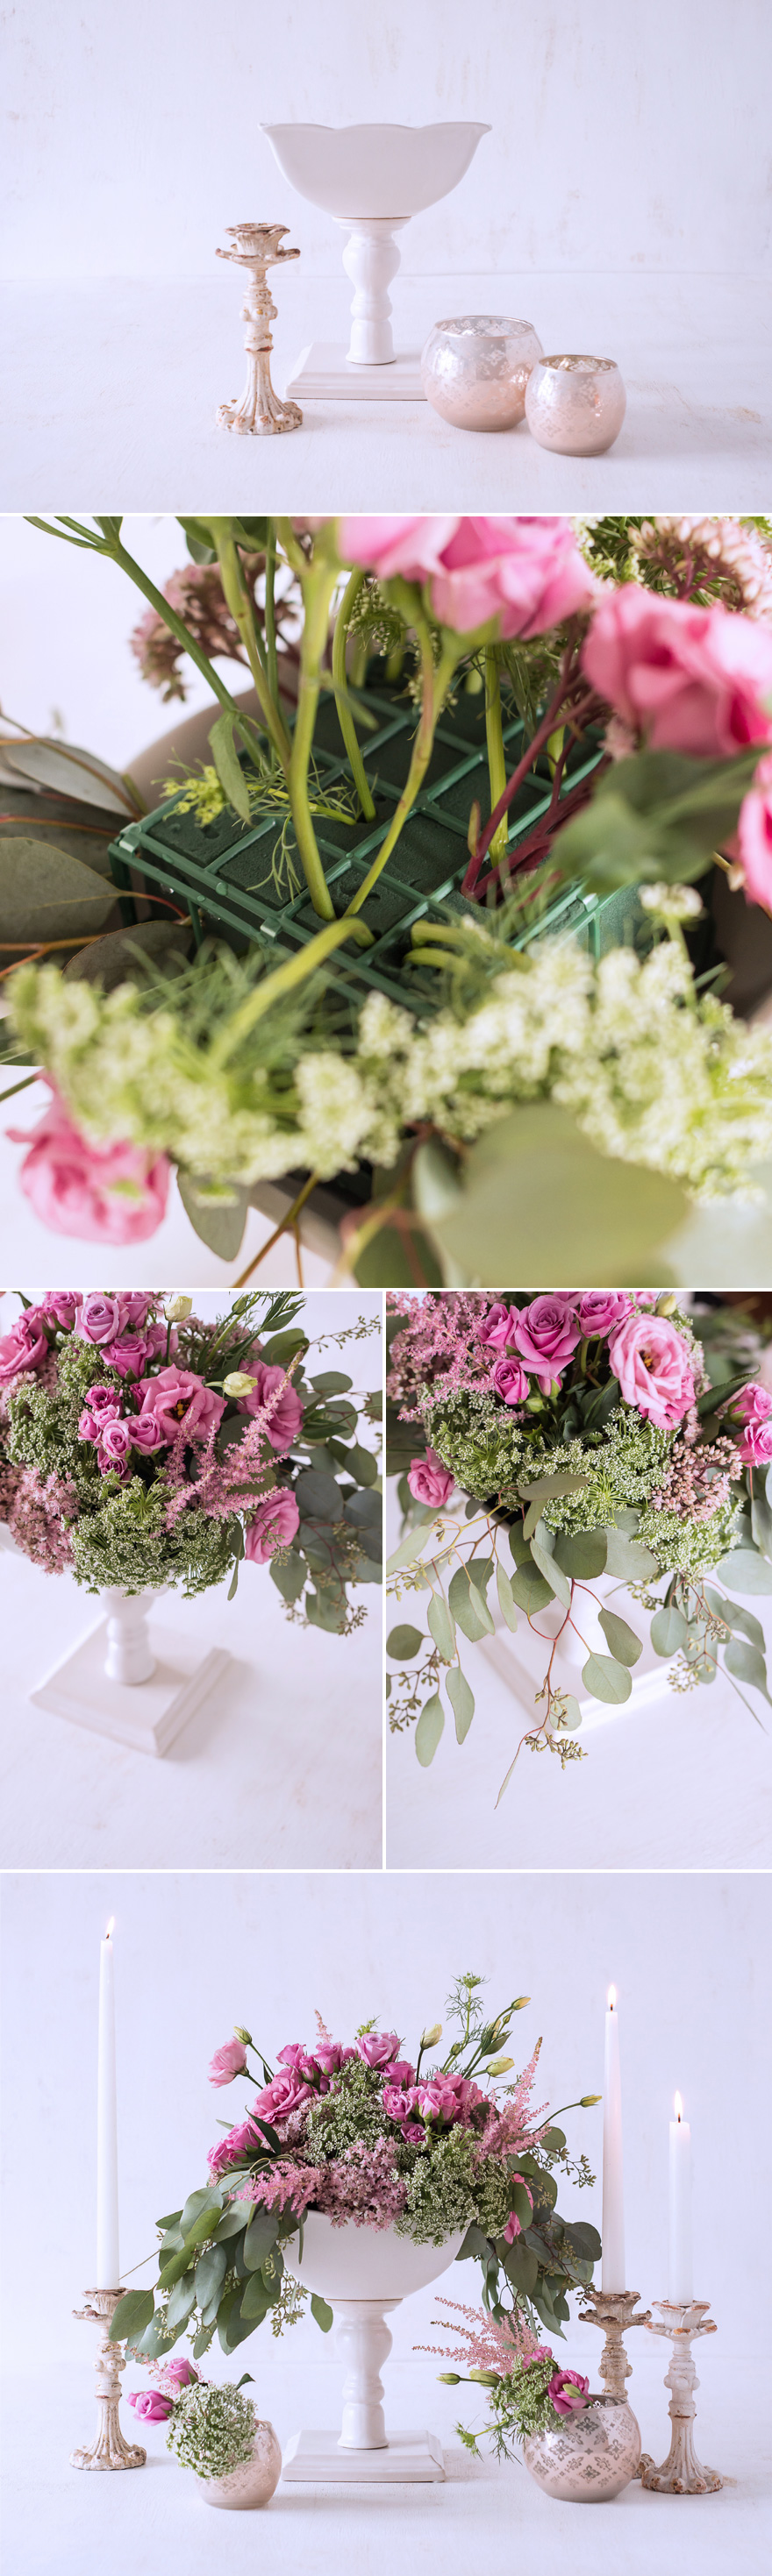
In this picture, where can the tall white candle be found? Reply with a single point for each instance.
(613, 2265)
(680, 2267)
(107, 2271)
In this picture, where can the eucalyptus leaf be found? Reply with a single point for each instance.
(362, 1464)
(746, 1664)
(622, 1640)
(506, 1598)
(442, 1626)
(133, 2313)
(572, 1715)
(583, 1554)
(260, 2237)
(289, 1576)
(402, 1643)
(183, 2299)
(558, 1582)
(255, 2302)
(318, 1497)
(538, 1200)
(469, 1606)
(210, 2274)
(218, 1222)
(607, 1679)
(323, 2315)
(743, 1571)
(46, 893)
(410, 1547)
(743, 1621)
(529, 1589)
(429, 1729)
(669, 1630)
(628, 1558)
(461, 1698)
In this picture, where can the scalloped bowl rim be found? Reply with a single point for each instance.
(340, 183)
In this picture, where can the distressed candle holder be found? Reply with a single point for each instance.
(612, 2310)
(109, 2451)
(681, 2473)
(258, 412)
(575, 405)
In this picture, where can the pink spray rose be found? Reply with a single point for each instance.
(511, 1381)
(599, 1309)
(178, 1396)
(283, 2095)
(526, 574)
(398, 2102)
(695, 680)
(754, 837)
(401, 2072)
(751, 1404)
(497, 1327)
(115, 1439)
(228, 2062)
(284, 1420)
(546, 1333)
(273, 1525)
(429, 1481)
(569, 2392)
(240, 2143)
(130, 1352)
(146, 1433)
(24, 1347)
(63, 1306)
(151, 2405)
(181, 2374)
(102, 1193)
(378, 2047)
(298, 2059)
(755, 1449)
(101, 1318)
(330, 2055)
(654, 1368)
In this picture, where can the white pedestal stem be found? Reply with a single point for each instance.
(129, 1656)
(371, 260)
(364, 2343)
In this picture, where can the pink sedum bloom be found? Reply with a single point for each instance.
(101, 1193)
(521, 574)
(754, 837)
(695, 680)
(599, 1309)
(569, 2392)
(546, 1333)
(429, 1481)
(177, 1397)
(25, 1347)
(273, 1526)
(228, 2062)
(654, 1368)
(286, 1415)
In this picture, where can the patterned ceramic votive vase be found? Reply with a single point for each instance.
(575, 405)
(253, 2482)
(586, 2459)
(475, 368)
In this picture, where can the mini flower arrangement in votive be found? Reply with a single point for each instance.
(213, 2431)
(561, 1439)
(141, 1447)
(580, 2447)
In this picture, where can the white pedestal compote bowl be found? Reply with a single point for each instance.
(364, 2273)
(371, 179)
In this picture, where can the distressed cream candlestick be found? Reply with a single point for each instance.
(109, 2451)
(613, 2311)
(258, 412)
(681, 2473)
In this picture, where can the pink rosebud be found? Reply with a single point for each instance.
(227, 2062)
(23, 1348)
(378, 2047)
(397, 2102)
(654, 1368)
(497, 1327)
(330, 2055)
(546, 1333)
(511, 1381)
(63, 1305)
(429, 1481)
(115, 1442)
(286, 1415)
(102, 1193)
(181, 2374)
(273, 1525)
(415, 2134)
(241, 2143)
(751, 1404)
(178, 1397)
(755, 1448)
(104, 1403)
(599, 1309)
(695, 680)
(569, 2392)
(401, 2072)
(149, 2403)
(146, 1433)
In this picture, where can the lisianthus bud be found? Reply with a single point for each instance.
(666, 1305)
(586, 2100)
(487, 2378)
(500, 2065)
(244, 2035)
(238, 1383)
(520, 2003)
(430, 2037)
(177, 1308)
(450, 2378)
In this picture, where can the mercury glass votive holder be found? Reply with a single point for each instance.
(475, 369)
(575, 405)
(587, 2458)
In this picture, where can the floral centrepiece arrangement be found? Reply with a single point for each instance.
(142, 1447)
(562, 1439)
(367, 2136)
(629, 665)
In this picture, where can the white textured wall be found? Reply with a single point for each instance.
(627, 136)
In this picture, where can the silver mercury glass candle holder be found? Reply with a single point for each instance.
(613, 2311)
(681, 2473)
(258, 412)
(475, 369)
(109, 2451)
(575, 405)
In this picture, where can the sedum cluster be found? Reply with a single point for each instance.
(212, 2430)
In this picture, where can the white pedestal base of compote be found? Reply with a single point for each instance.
(121, 1682)
(325, 373)
(383, 2268)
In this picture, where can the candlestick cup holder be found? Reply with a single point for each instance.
(681, 2473)
(612, 2310)
(109, 2451)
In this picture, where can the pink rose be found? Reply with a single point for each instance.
(273, 1526)
(414, 2133)
(104, 1402)
(429, 1481)
(286, 1413)
(115, 1442)
(146, 1433)
(754, 837)
(546, 1333)
(102, 1193)
(63, 1305)
(181, 2374)
(228, 2062)
(131, 1352)
(378, 2047)
(511, 1381)
(599, 1309)
(523, 574)
(443, 2097)
(135, 1304)
(178, 1396)
(283, 2095)
(331, 2056)
(23, 1348)
(755, 1449)
(688, 679)
(654, 1368)
(397, 2102)
(301, 2064)
(100, 1317)
(149, 2403)
(569, 2392)
(751, 1404)
(497, 1327)
(401, 2072)
(241, 2143)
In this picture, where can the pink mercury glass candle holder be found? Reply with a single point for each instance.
(575, 405)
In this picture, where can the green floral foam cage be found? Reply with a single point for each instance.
(224, 872)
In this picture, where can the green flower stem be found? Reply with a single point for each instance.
(283, 980)
(345, 718)
(436, 684)
(497, 766)
(319, 579)
(270, 613)
(240, 605)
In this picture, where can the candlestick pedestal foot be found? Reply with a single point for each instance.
(681, 2473)
(612, 2310)
(145, 1714)
(109, 2451)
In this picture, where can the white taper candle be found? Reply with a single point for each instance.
(680, 2213)
(107, 2271)
(613, 2264)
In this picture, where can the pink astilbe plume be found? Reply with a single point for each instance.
(362, 2187)
(439, 1350)
(485, 2345)
(517, 2126)
(220, 1486)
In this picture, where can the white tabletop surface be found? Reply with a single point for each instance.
(112, 388)
(482, 2517)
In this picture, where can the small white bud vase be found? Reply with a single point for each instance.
(253, 2482)
(588, 2458)
(475, 369)
(575, 405)
(129, 1656)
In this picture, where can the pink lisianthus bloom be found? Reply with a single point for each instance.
(429, 1481)
(523, 575)
(379, 2048)
(151, 2405)
(297, 2058)
(24, 1347)
(283, 2095)
(654, 1368)
(273, 1525)
(240, 2143)
(545, 1333)
(63, 1305)
(409, 547)
(102, 1193)
(599, 1309)
(570, 2393)
(285, 1419)
(511, 1381)
(178, 1396)
(497, 1326)
(687, 679)
(755, 1449)
(228, 2062)
(103, 1402)
(754, 837)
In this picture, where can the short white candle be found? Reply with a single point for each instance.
(613, 2264)
(680, 2268)
(107, 2268)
